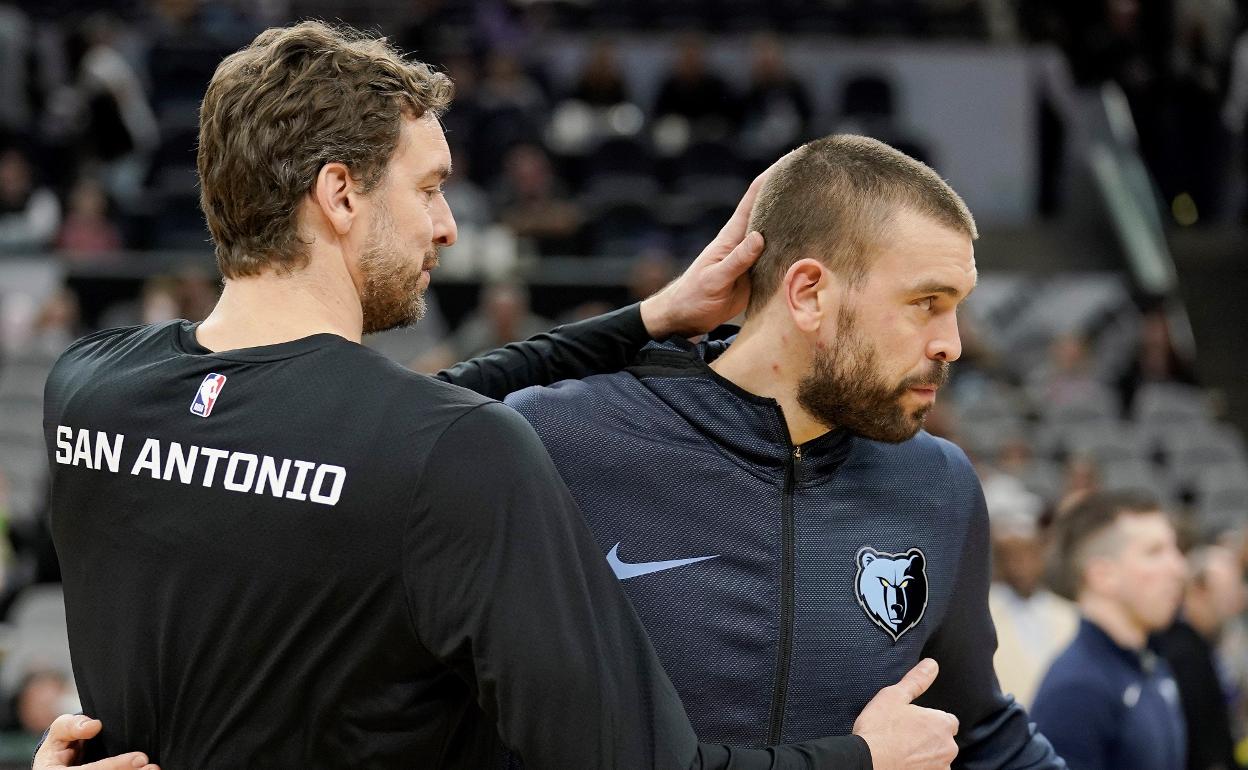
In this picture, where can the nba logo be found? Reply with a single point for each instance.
(209, 389)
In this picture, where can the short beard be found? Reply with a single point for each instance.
(391, 297)
(844, 388)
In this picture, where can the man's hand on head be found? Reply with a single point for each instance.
(714, 289)
(62, 747)
(903, 736)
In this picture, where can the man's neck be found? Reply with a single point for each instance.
(762, 361)
(268, 309)
(1110, 617)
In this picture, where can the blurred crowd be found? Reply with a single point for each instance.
(98, 106)
(1054, 401)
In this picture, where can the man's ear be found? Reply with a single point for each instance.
(336, 195)
(805, 287)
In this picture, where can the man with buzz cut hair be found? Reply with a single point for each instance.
(781, 523)
(1108, 700)
(334, 561)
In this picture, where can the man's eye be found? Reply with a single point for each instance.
(925, 303)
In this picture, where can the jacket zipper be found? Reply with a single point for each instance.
(787, 536)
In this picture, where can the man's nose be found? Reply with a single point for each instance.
(946, 345)
(445, 231)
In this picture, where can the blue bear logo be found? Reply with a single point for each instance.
(892, 588)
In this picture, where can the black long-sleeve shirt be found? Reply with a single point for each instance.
(303, 555)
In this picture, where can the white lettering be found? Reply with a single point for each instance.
(211, 468)
(82, 449)
(149, 459)
(301, 477)
(270, 476)
(231, 472)
(63, 450)
(183, 462)
(242, 472)
(106, 453)
(335, 491)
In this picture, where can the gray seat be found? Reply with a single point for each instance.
(1169, 402)
(1191, 449)
(1138, 476)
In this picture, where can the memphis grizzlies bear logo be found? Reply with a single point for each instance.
(892, 589)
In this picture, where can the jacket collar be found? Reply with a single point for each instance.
(749, 426)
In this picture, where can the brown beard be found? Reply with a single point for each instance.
(391, 296)
(844, 388)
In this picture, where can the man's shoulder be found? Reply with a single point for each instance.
(924, 451)
(1077, 673)
(566, 395)
(105, 345)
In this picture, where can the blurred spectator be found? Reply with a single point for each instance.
(868, 106)
(190, 294)
(1156, 358)
(503, 316)
(1108, 701)
(776, 108)
(1232, 652)
(601, 83)
(1011, 505)
(120, 130)
(29, 214)
(507, 86)
(1196, 148)
(511, 110)
(531, 201)
(1215, 595)
(58, 323)
(87, 228)
(1033, 624)
(43, 696)
(650, 271)
(695, 94)
(16, 43)
(196, 291)
(1067, 378)
(1082, 478)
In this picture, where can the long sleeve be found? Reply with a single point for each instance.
(995, 731)
(506, 586)
(598, 345)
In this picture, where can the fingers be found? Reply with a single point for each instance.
(916, 681)
(734, 229)
(72, 727)
(123, 762)
(740, 258)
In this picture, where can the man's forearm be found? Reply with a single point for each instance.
(602, 344)
(843, 753)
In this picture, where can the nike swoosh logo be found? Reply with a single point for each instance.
(623, 570)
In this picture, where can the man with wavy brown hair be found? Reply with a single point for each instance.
(325, 560)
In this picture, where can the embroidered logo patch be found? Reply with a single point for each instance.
(892, 588)
(209, 389)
